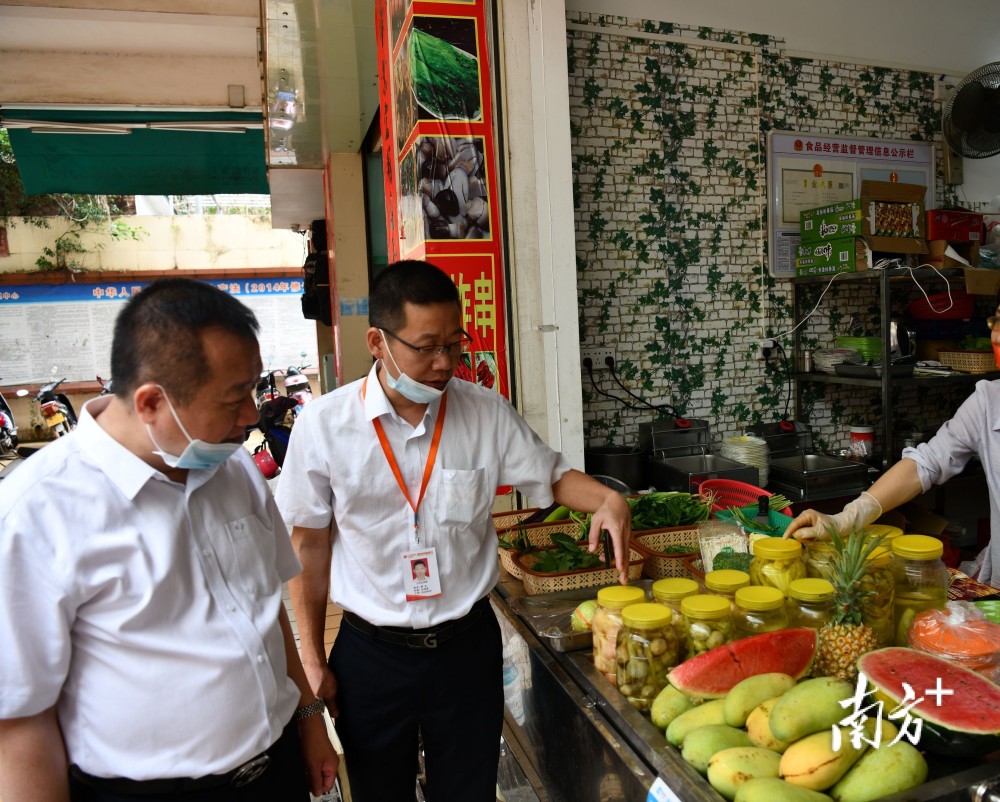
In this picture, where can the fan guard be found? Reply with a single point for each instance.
(971, 118)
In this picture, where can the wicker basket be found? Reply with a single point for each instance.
(537, 535)
(653, 543)
(535, 583)
(504, 520)
(968, 361)
(693, 564)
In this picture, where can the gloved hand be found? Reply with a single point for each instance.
(855, 515)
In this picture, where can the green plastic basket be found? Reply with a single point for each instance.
(775, 519)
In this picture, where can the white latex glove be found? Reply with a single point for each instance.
(855, 515)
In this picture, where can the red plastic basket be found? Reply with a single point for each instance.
(731, 493)
(938, 307)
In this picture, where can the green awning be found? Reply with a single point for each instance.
(137, 151)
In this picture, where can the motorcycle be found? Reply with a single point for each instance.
(8, 428)
(56, 408)
(273, 408)
(297, 387)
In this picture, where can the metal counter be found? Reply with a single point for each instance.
(584, 743)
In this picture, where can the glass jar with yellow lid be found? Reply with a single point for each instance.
(877, 609)
(920, 580)
(759, 608)
(607, 622)
(777, 562)
(725, 582)
(810, 602)
(648, 647)
(818, 556)
(709, 621)
(670, 592)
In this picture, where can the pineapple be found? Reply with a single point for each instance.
(846, 637)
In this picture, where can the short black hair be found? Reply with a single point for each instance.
(157, 335)
(409, 281)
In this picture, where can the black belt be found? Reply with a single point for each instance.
(238, 777)
(428, 638)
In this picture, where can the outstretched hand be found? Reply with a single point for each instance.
(614, 516)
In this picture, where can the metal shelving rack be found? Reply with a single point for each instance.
(886, 280)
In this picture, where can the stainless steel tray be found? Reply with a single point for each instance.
(686, 473)
(548, 615)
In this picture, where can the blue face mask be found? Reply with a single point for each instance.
(409, 388)
(198, 453)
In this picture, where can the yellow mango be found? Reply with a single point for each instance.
(747, 694)
(812, 762)
(759, 727)
(730, 768)
(811, 706)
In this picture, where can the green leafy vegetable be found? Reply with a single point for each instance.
(567, 555)
(972, 343)
(445, 78)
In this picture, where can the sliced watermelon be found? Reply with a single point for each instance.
(712, 674)
(965, 722)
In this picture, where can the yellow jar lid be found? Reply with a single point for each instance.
(810, 589)
(704, 605)
(816, 545)
(674, 588)
(879, 555)
(777, 548)
(618, 597)
(726, 580)
(917, 547)
(760, 598)
(887, 532)
(646, 616)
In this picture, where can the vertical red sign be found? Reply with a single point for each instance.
(441, 191)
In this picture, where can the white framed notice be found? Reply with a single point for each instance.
(807, 170)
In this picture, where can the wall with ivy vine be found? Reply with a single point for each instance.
(669, 149)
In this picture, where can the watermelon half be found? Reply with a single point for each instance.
(965, 723)
(712, 674)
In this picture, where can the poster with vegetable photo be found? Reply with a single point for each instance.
(453, 189)
(444, 68)
(485, 372)
(404, 106)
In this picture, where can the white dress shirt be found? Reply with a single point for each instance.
(336, 472)
(975, 429)
(145, 609)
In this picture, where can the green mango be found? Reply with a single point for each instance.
(811, 706)
(749, 693)
(772, 789)
(698, 716)
(702, 743)
(882, 771)
(668, 705)
(730, 768)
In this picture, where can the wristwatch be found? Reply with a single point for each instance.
(311, 709)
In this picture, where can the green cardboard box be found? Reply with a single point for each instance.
(846, 255)
(833, 221)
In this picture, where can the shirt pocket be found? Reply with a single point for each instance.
(461, 495)
(252, 558)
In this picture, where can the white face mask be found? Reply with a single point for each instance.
(197, 454)
(409, 388)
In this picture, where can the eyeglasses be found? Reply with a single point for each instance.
(453, 350)
(991, 322)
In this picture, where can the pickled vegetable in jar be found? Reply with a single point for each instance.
(607, 622)
(648, 647)
(920, 580)
(819, 557)
(777, 562)
(759, 608)
(670, 592)
(725, 582)
(709, 621)
(810, 603)
(878, 607)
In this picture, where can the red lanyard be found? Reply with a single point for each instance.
(428, 467)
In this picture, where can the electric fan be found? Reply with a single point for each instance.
(971, 117)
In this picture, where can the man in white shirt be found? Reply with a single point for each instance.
(147, 653)
(403, 465)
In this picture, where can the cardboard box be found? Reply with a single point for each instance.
(833, 256)
(980, 281)
(833, 221)
(969, 251)
(954, 225)
(894, 220)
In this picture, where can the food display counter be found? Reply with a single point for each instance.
(585, 743)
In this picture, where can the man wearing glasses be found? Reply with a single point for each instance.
(399, 466)
(975, 429)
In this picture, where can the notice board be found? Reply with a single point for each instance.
(808, 170)
(55, 331)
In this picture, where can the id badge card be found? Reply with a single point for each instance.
(420, 575)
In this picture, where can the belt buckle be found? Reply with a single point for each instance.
(250, 771)
(426, 641)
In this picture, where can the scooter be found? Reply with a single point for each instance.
(297, 387)
(8, 428)
(56, 408)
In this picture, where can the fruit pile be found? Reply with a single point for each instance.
(749, 718)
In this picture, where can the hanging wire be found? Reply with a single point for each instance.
(589, 365)
(672, 410)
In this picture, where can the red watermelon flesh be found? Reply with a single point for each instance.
(966, 721)
(712, 674)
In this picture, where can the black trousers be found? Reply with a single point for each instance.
(452, 695)
(284, 781)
